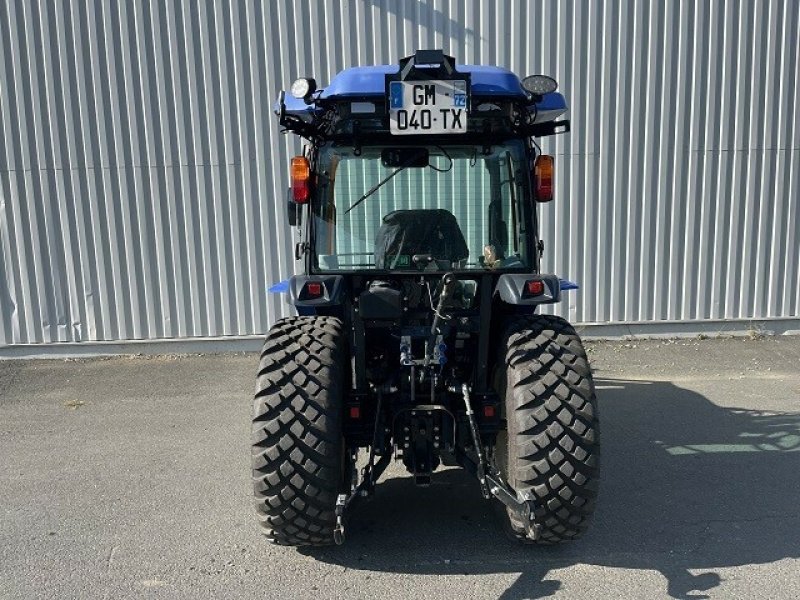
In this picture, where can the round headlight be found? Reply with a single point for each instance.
(303, 87)
(540, 84)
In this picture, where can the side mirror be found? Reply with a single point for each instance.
(294, 211)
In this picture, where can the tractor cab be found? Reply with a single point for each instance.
(424, 135)
(417, 333)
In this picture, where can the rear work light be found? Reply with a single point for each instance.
(303, 88)
(543, 178)
(301, 179)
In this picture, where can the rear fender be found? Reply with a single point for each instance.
(511, 289)
(332, 295)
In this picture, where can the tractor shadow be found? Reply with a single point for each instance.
(686, 485)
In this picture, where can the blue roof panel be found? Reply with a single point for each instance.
(371, 81)
(360, 82)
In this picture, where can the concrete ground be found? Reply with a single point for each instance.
(129, 477)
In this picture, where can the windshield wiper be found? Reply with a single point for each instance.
(383, 181)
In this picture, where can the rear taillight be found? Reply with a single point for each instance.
(301, 179)
(543, 178)
(313, 289)
(533, 287)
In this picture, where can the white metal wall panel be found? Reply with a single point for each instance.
(142, 174)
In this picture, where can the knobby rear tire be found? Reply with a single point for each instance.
(297, 447)
(551, 446)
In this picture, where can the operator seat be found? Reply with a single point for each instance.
(424, 231)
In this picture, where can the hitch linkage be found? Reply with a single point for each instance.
(492, 484)
(369, 477)
(362, 490)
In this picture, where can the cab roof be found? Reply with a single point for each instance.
(368, 83)
(371, 81)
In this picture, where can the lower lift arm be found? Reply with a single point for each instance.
(492, 484)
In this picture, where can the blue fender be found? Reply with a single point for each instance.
(282, 287)
(566, 284)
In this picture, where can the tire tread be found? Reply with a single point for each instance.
(296, 430)
(551, 410)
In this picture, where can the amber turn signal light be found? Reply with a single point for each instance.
(301, 179)
(543, 178)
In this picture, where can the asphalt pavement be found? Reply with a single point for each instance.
(129, 477)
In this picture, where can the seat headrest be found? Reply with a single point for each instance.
(404, 233)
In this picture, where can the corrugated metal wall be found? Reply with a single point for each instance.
(142, 174)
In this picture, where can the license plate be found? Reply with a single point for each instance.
(427, 107)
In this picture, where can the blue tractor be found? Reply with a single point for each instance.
(417, 335)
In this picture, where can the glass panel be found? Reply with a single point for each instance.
(405, 217)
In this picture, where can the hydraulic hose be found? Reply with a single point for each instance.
(448, 286)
